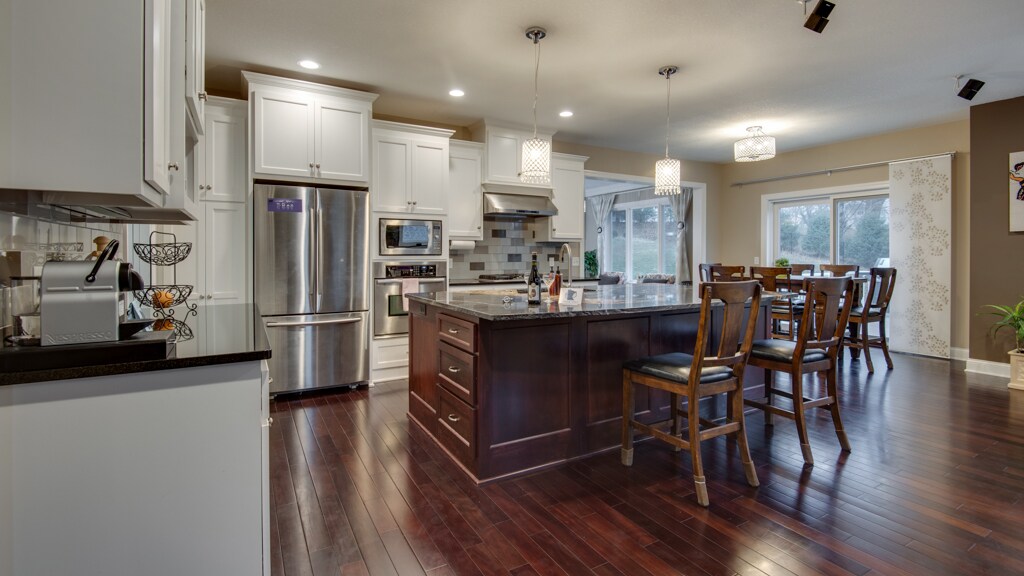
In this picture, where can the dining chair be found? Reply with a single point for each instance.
(697, 376)
(820, 337)
(777, 279)
(704, 270)
(802, 269)
(875, 307)
(839, 269)
(721, 273)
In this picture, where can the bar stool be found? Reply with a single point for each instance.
(704, 270)
(777, 279)
(874, 310)
(721, 373)
(820, 337)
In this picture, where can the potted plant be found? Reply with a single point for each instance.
(782, 262)
(1012, 317)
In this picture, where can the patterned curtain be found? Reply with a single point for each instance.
(680, 204)
(601, 207)
(920, 246)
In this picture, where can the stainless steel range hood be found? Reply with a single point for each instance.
(523, 201)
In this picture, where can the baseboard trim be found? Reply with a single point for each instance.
(961, 354)
(987, 367)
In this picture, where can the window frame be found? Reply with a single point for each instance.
(771, 202)
(662, 204)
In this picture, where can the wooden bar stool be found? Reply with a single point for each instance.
(699, 376)
(777, 279)
(721, 273)
(874, 310)
(820, 337)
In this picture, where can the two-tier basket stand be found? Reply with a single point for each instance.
(163, 298)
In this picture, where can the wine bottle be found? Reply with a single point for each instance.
(533, 284)
(556, 285)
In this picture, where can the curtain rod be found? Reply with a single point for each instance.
(840, 169)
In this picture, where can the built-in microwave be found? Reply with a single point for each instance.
(410, 237)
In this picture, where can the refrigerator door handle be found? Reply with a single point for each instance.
(314, 254)
(319, 259)
(314, 322)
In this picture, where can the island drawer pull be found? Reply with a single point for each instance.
(454, 369)
(453, 418)
(453, 331)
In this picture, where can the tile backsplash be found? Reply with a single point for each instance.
(26, 242)
(506, 249)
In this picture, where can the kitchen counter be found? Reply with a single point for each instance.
(475, 282)
(240, 337)
(505, 388)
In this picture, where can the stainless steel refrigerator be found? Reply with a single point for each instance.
(312, 260)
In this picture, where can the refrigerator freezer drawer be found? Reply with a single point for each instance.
(318, 350)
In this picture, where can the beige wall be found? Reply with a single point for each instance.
(739, 231)
(997, 129)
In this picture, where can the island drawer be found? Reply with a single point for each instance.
(455, 427)
(457, 332)
(456, 371)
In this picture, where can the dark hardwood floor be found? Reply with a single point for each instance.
(933, 486)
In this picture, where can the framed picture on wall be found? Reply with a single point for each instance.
(1017, 192)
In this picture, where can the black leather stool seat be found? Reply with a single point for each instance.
(857, 311)
(676, 367)
(782, 351)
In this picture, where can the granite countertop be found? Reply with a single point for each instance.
(477, 282)
(597, 301)
(188, 347)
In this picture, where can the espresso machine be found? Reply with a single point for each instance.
(84, 302)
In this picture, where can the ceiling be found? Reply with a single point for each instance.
(879, 66)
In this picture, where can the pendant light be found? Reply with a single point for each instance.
(757, 146)
(667, 170)
(536, 152)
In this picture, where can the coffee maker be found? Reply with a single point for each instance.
(83, 302)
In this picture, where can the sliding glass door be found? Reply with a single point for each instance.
(840, 229)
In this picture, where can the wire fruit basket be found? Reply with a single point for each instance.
(164, 295)
(166, 254)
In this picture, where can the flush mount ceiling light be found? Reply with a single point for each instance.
(309, 64)
(970, 89)
(667, 170)
(757, 146)
(456, 93)
(536, 152)
(819, 17)
(565, 113)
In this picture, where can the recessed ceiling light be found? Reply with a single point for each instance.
(565, 113)
(309, 64)
(456, 92)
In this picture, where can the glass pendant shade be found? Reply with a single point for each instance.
(666, 176)
(757, 146)
(536, 162)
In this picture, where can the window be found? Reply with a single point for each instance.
(839, 229)
(644, 239)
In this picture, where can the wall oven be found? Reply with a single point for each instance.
(391, 280)
(410, 237)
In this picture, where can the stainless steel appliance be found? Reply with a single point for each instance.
(311, 269)
(410, 237)
(391, 280)
(86, 301)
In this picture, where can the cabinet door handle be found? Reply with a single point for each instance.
(208, 187)
(454, 369)
(317, 165)
(310, 164)
(173, 166)
(453, 331)
(453, 418)
(414, 203)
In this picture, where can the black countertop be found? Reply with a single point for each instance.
(242, 339)
(597, 301)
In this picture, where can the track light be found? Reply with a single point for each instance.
(970, 89)
(819, 18)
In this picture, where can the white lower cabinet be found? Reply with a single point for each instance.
(389, 358)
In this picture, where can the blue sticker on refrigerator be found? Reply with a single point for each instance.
(284, 205)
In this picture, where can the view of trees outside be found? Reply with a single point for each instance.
(642, 239)
(861, 228)
(863, 231)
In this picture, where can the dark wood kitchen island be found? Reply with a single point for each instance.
(504, 387)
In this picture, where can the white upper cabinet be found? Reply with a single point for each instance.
(309, 132)
(567, 184)
(195, 62)
(465, 194)
(503, 160)
(222, 174)
(410, 168)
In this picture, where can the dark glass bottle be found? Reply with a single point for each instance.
(533, 283)
(556, 285)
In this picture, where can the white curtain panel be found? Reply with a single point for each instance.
(601, 207)
(920, 247)
(680, 204)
